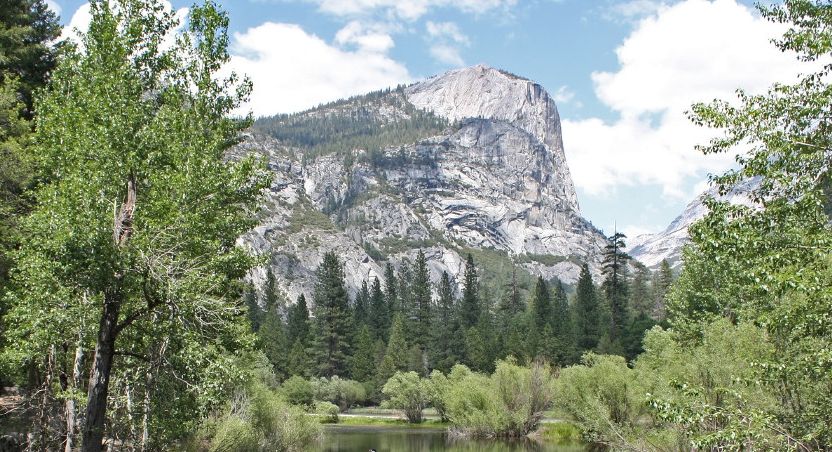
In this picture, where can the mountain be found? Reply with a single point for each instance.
(651, 249)
(468, 161)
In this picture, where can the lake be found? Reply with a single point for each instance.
(338, 438)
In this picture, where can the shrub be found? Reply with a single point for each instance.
(509, 403)
(258, 419)
(603, 397)
(342, 392)
(327, 411)
(297, 391)
(408, 392)
(234, 434)
(437, 388)
(710, 392)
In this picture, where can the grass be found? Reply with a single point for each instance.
(563, 433)
(386, 422)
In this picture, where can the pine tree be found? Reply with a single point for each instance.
(510, 303)
(297, 328)
(634, 334)
(469, 307)
(363, 361)
(390, 294)
(476, 350)
(27, 30)
(361, 307)
(332, 323)
(615, 285)
(540, 316)
(515, 339)
(272, 340)
(662, 279)
(272, 298)
(541, 305)
(405, 298)
(420, 289)
(252, 309)
(561, 325)
(447, 344)
(641, 298)
(379, 312)
(298, 361)
(587, 312)
(396, 354)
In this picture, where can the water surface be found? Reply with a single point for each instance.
(343, 438)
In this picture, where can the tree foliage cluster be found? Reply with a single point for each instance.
(746, 363)
(411, 323)
(508, 403)
(122, 316)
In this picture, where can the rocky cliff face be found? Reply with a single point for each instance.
(493, 178)
(652, 249)
(484, 92)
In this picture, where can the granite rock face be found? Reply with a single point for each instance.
(652, 249)
(495, 178)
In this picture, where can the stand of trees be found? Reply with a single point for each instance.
(399, 325)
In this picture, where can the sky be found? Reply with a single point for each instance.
(622, 72)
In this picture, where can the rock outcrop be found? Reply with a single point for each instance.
(495, 177)
(652, 249)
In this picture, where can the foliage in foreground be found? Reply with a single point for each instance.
(508, 403)
(707, 396)
(128, 269)
(258, 419)
(770, 264)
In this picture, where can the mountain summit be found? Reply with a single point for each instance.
(468, 161)
(484, 92)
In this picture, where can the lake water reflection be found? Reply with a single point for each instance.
(385, 439)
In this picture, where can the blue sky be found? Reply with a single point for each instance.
(622, 71)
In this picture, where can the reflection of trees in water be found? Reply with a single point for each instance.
(384, 439)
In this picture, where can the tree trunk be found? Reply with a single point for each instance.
(71, 414)
(43, 422)
(105, 347)
(108, 329)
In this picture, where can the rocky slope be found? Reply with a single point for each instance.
(487, 174)
(651, 249)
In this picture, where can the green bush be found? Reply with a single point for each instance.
(297, 391)
(342, 392)
(509, 403)
(408, 392)
(234, 434)
(711, 392)
(327, 411)
(437, 386)
(258, 419)
(604, 398)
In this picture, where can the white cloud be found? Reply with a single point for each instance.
(293, 70)
(290, 78)
(446, 41)
(631, 10)
(564, 95)
(447, 54)
(696, 50)
(373, 39)
(407, 9)
(54, 7)
(80, 23)
(446, 30)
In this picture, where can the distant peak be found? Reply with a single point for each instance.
(483, 68)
